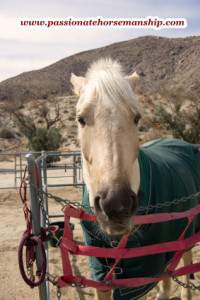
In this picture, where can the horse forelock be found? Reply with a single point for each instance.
(107, 79)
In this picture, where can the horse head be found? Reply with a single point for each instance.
(107, 115)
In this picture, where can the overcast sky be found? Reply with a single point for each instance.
(23, 49)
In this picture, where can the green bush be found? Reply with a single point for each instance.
(6, 133)
(25, 125)
(46, 138)
(184, 124)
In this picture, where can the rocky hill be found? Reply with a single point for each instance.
(161, 62)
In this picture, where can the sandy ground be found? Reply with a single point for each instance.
(12, 225)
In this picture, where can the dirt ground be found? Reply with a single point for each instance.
(11, 227)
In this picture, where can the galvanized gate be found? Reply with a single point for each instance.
(39, 183)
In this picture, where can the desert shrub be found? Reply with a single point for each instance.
(46, 139)
(71, 118)
(41, 137)
(180, 114)
(6, 133)
(184, 124)
(26, 125)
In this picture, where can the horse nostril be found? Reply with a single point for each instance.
(97, 205)
(134, 203)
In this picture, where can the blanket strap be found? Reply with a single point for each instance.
(178, 255)
(121, 245)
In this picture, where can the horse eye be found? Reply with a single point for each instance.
(81, 121)
(137, 118)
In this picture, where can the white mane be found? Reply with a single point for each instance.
(111, 85)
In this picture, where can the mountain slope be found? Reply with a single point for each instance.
(159, 61)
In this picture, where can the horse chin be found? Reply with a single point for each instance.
(116, 229)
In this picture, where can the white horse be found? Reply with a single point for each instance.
(108, 113)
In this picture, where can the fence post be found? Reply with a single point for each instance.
(15, 167)
(36, 220)
(43, 184)
(74, 170)
(20, 161)
(44, 180)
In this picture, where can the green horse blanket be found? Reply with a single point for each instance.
(169, 169)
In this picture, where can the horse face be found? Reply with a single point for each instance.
(109, 144)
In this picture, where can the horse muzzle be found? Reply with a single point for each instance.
(115, 208)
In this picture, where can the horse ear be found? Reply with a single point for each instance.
(133, 78)
(77, 82)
